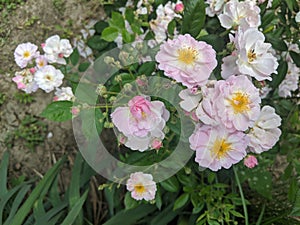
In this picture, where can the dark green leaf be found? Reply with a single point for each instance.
(277, 42)
(171, 27)
(296, 58)
(3, 173)
(296, 206)
(58, 111)
(110, 34)
(278, 78)
(171, 184)
(129, 202)
(181, 201)
(129, 15)
(164, 217)
(97, 43)
(74, 57)
(131, 216)
(147, 68)
(100, 26)
(109, 196)
(237, 214)
(194, 17)
(83, 66)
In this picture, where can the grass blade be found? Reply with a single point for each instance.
(40, 188)
(71, 217)
(3, 174)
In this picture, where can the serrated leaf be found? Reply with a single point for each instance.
(74, 57)
(110, 34)
(129, 15)
(194, 17)
(181, 201)
(96, 42)
(58, 111)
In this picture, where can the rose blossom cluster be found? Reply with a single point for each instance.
(230, 122)
(141, 123)
(36, 69)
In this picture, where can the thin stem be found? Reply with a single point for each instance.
(242, 196)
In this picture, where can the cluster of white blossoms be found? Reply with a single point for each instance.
(39, 73)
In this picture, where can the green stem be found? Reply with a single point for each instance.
(242, 196)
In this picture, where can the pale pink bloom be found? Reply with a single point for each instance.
(141, 186)
(190, 99)
(216, 147)
(41, 61)
(291, 48)
(156, 144)
(214, 7)
(243, 14)
(164, 15)
(25, 81)
(75, 110)
(254, 58)
(265, 132)
(56, 49)
(141, 121)
(297, 17)
(250, 161)
(64, 94)
(48, 78)
(187, 60)
(32, 70)
(264, 91)
(24, 53)
(179, 7)
(235, 103)
(290, 82)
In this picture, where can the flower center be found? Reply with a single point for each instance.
(240, 102)
(26, 54)
(48, 77)
(251, 55)
(187, 55)
(139, 188)
(221, 147)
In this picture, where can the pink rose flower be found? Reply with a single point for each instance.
(187, 60)
(141, 122)
(179, 7)
(216, 147)
(250, 161)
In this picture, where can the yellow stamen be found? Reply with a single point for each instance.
(221, 147)
(26, 54)
(139, 188)
(240, 102)
(251, 55)
(48, 77)
(187, 55)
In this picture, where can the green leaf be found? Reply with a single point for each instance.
(129, 202)
(83, 66)
(131, 216)
(96, 42)
(147, 68)
(127, 37)
(171, 184)
(237, 214)
(91, 118)
(58, 111)
(278, 78)
(129, 15)
(194, 17)
(296, 206)
(158, 200)
(109, 196)
(74, 57)
(71, 217)
(3, 173)
(277, 42)
(164, 217)
(181, 201)
(42, 186)
(110, 34)
(117, 21)
(171, 27)
(100, 26)
(296, 58)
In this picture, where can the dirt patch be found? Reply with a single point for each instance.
(33, 22)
